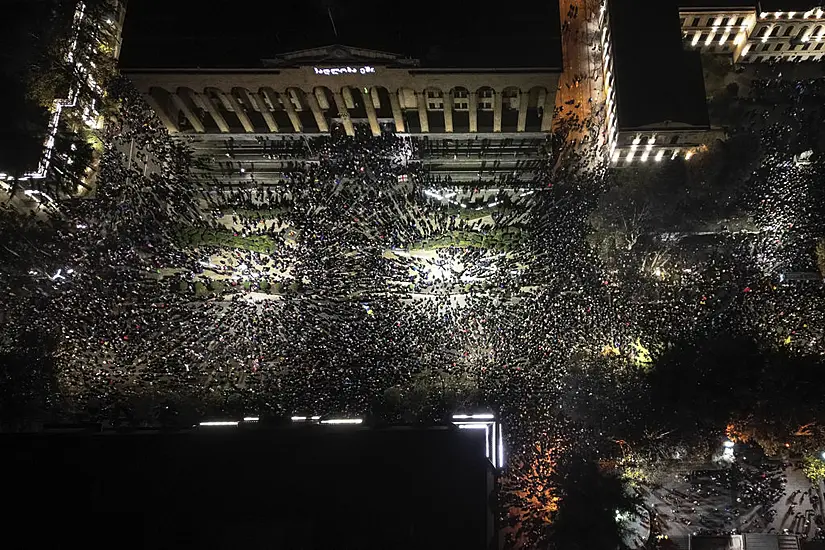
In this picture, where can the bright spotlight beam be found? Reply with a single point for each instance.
(342, 421)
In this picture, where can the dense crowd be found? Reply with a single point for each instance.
(408, 298)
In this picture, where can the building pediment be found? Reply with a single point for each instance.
(337, 54)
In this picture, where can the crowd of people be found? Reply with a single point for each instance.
(450, 296)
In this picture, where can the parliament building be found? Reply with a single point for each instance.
(475, 113)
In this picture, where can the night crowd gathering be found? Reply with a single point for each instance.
(361, 286)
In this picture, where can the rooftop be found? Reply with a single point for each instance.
(716, 4)
(656, 79)
(307, 487)
(790, 5)
(240, 34)
(760, 5)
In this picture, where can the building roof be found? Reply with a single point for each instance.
(312, 487)
(656, 80)
(716, 4)
(444, 35)
(760, 5)
(790, 5)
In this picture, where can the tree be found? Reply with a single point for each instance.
(530, 495)
(593, 501)
(814, 469)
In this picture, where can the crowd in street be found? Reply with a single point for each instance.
(397, 286)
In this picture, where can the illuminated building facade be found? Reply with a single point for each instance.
(83, 95)
(309, 92)
(449, 112)
(754, 31)
(655, 107)
(475, 106)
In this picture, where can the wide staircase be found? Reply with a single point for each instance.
(760, 541)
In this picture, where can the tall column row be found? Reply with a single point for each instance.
(286, 110)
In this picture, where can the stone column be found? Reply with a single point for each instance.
(370, 108)
(473, 107)
(241, 114)
(194, 120)
(290, 110)
(164, 116)
(448, 111)
(255, 99)
(214, 113)
(497, 111)
(547, 112)
(523, 100)
(343, 113)
(317, 112)
(422, 112)
(396, 112)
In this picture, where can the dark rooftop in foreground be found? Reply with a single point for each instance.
(656, 79)
(316, 487)
(188, 33)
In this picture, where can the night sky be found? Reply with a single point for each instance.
(186, 33)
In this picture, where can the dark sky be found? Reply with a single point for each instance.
(186, 33)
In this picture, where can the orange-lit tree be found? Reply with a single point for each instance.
(529, 495)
